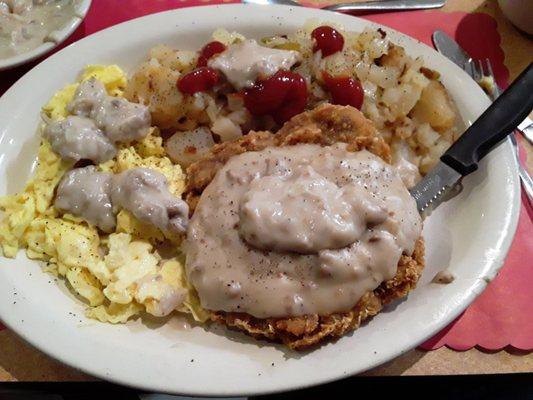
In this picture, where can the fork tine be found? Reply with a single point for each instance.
(472, 69)
(496, 88)
(489, 67)
(481, 69)
(478, 70)
(489, 70)
(468, 67)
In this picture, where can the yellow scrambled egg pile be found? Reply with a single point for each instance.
(103, 269)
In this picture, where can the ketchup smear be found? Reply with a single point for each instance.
(282, 96)
(198, 80)
(328, 40)
(208, 51)
(344, 90)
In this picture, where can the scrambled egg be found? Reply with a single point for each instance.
(111, 76)
(119, 275)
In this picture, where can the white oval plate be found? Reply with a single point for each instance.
(55, 38)
(470, 235)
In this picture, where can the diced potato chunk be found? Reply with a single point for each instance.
(435, 107)
(187, 147)
(181, 60)
(395, 57)
(155, 86)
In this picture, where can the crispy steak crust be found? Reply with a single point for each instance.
(299, 333)
(325, 125)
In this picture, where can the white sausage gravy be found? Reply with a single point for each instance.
(98, 196)
(298, 230)
(243, 62)
(145, 193)
(85, 192)
(98, 122)
(75, 138)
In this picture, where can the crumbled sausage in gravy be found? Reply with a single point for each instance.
(144, 192)
(121, 120)
(87, 97)
(97, 196)
(299, 230)
(84, 192)
(75, 138)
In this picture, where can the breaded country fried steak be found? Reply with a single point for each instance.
(341, 129)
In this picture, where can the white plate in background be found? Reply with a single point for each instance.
(470, 236)
(55, 38)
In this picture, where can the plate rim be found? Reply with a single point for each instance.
(477, 288)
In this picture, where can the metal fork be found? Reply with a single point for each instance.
(481, 70)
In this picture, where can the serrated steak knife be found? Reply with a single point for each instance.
(462, 158)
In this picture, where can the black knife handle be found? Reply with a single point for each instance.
(500, 119)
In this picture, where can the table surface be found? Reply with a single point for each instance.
(19, 361)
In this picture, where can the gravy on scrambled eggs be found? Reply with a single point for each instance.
(121, 274)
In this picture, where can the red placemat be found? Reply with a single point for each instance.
(501, 316)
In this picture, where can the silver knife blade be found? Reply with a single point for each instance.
(450, 49)
(439, 185)
(442, 182)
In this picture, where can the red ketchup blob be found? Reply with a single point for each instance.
(344, 90)
(208, 51)
(328, 40)
(198, 80)
(282, 96)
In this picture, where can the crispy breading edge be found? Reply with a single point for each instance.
(325, 125)
(299, 333)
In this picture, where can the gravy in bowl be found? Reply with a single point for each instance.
(26, 24)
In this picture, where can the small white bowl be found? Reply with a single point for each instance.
(55, 38)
